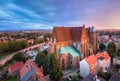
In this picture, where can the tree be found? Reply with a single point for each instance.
(52, 67)
(12, 46)
(19, 57)
(102, 47)
(37, 41)
(40, 58)
(111, 49)
(106, 76)
(47, 35)
(118, 52)
(75, 78)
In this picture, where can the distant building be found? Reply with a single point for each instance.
(42, 48)
(32, 54)
(88, 65)
(115, 78)
(92, 77)
(31, 72)
(116, 60)
(31, 41)
(104, 61)
(80, 39)
(14, 68)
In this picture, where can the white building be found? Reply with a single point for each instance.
(42, 48)
(32, 54)
(94, 63)
(104, 61)
(88, 65)
(116, 60)
(84, 68)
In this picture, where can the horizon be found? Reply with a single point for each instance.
(18, 30)
(45, 14)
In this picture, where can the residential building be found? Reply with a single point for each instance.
(31, 72)
(116, 60)
(80, 39)
(92, 77)
(88, 65)
(42, 48)
(31, 41)
(14, 68)
(104, 61)
(32, 54)
(92, 64)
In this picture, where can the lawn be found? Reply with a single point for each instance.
(12, 79)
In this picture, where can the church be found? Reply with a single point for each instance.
(72, 44)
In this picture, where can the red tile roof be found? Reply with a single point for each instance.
(16, 67)
(62, 34)
(68, 33)
(76, 33)
(27, 66)
(31, 65)
(103, 54)
(91, 59)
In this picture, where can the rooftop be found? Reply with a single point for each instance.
(69, 50)
(31, 69)
(102, 55)
(69, 33)
(16, 66)
(91, 59)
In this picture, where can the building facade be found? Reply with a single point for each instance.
(31, 72)
(88, 65)
(80, 39)
(94, 63)
(104, 61)
(116, 60)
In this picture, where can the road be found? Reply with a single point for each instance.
(70, 72)
(5, 59)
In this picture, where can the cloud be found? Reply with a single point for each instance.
(38, 14)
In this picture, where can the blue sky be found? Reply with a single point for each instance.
(44, 14)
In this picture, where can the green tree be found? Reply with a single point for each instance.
(12, 46)
(106, 76)
(47, 35)
(40, 58)
(52, 67)
(19, 57)
(75, 78)
(111, 49)
(102, 47)
(37, 41)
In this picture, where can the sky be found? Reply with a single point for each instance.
(45, 14)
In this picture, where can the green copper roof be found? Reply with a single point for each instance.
(69, 49)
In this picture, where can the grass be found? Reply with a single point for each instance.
(12, 79)
(5, 54)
